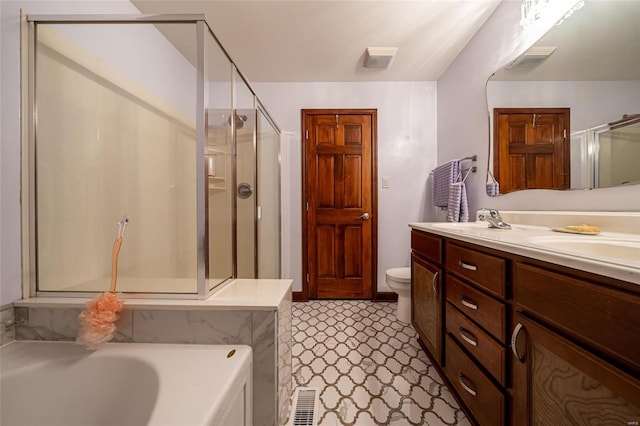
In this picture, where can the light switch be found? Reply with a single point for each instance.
(385, 182)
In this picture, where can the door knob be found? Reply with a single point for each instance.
(365, 216)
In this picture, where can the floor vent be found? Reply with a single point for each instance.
(305, 407)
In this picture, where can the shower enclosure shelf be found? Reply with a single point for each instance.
(216, 183)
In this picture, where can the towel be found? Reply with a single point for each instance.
(493, 187)
(443, 177)
(457, 205)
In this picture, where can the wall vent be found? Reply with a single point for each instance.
(305, 407)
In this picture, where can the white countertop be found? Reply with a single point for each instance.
(240, 294)
(517, 241)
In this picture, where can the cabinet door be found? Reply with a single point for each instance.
(558, 383)
(426, 309)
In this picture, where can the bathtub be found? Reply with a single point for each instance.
(60, 383)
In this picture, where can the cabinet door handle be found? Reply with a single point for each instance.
(471, 339)
(514, 339)
(467, 266)
(433, 283)
(461, 379)
(467, 303)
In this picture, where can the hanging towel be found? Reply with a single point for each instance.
(493, 187)
(443, 177)
(457, 206)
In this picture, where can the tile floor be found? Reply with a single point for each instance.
(369, 367)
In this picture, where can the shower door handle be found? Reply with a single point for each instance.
(245, 191)
(365, 216)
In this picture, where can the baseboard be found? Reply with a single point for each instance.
(300, 296)
(384, 296)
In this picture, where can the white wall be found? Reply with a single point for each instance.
(463, 124)
(592, 103)
(406, 155)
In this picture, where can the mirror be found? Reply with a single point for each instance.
(588, 66)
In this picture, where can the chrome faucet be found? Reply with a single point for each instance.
(493, 218)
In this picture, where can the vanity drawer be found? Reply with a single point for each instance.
(602, 317)
(483, 309)
(427, 246)
(482, 269)
(489, 353)
(485, 401)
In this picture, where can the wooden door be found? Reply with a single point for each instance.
(531, 148)
(339, 204)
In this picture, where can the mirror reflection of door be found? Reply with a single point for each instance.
(531, 148)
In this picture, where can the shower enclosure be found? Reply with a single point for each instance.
(144, 116)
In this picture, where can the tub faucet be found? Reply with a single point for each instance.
(493, 218)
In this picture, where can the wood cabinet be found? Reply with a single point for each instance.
(525, 342)
(426, 293)
(576, 351)
(482, 397)
(475, 344)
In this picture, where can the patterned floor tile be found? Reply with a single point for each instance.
(369, 367)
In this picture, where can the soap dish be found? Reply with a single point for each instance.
(571, 231)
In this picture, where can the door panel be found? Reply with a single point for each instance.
(352, 181)
(426, 301)
(352, 244)
(326, 257)
(559, 383)
(338, 168)
(325, 188)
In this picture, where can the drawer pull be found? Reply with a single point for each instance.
(433, 283)
(470, 340)
(467, 303)
(465, 386)
(467, 266)
(514, 339)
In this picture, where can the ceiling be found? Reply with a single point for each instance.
(325, 40)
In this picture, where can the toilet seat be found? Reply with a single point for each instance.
(399, 275)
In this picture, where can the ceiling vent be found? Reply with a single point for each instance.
(379, 57)
(532, 56)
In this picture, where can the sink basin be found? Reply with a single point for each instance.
(596, 246)
(461, 225)
(472, 226)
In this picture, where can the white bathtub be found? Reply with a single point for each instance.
(60, 383)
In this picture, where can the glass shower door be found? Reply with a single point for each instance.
(268, 223)
(244, 123)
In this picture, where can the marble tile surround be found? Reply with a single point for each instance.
(268, 332)
(7, 324)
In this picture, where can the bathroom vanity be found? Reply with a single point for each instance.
(530, 333)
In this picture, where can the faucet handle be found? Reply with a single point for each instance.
(482, 214)
(492, 216)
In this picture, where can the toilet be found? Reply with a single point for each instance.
(399, 279)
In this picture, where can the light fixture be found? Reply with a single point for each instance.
(559, 10)
(379, 57)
